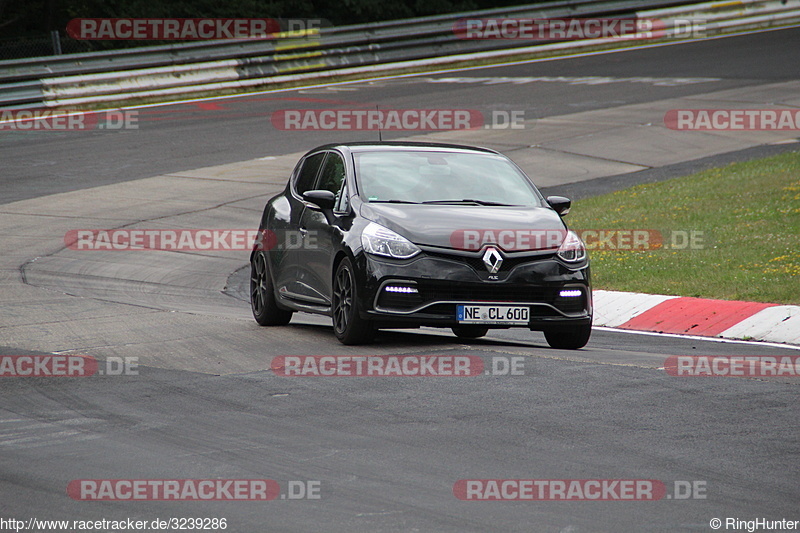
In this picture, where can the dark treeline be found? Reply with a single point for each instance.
(37, 17)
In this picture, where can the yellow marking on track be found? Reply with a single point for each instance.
(727, 4)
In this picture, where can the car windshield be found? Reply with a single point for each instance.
(442, 178)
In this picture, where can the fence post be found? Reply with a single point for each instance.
(56, 42)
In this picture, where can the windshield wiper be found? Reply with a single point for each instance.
(392, 202)
(466, 201)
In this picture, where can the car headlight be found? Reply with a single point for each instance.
(382, 241)
(572, 249)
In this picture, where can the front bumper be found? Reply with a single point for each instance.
(438, 282)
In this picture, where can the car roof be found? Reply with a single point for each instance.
(356, 147)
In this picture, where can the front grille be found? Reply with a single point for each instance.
(477, 264)
(471, 292)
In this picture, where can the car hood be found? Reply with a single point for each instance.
(470, 226)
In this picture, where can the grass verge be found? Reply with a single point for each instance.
(746, 223)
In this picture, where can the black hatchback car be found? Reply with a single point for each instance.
(402, 235)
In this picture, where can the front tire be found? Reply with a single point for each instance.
(262, 295)
(348, 326)
(568, 337)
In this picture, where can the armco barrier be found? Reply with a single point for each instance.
(165, 72)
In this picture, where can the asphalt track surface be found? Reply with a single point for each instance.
(180, 137)
(388, 451)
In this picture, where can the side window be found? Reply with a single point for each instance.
(332, 178)
(307, 174)
(332, 175)
(342, 199)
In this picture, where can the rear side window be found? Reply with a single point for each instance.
(308, 173)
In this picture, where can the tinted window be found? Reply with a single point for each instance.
(332, 174)
(342, 200)
(305, 179)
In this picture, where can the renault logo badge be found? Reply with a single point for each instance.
(492, 259)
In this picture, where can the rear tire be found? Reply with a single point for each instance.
(262, 295)
(348, 326)
(568, 337)
(469, 332)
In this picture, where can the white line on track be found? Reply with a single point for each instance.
(699, 338)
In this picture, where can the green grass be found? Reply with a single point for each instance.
(749, 214)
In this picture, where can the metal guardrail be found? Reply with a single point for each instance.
(355, 35)
(182, 69)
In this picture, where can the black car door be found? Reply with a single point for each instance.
(321, 238)
(287, 253)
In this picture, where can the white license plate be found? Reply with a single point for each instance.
(493, 314)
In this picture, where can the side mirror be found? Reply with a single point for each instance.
(560, 204)
(324, 200)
